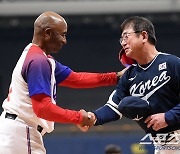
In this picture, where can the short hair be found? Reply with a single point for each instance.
(141, 24)
(112, 149)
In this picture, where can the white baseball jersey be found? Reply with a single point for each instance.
(34, 73)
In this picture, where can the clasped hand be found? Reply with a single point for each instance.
(88, 121)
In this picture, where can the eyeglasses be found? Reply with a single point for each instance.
(125, 36)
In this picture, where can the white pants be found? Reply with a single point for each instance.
(19, 138)
(169, 148)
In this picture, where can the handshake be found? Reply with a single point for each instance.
(88, 120)
(130, 107)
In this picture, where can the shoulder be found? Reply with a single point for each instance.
(171, 61)
(130, 73)
(36, 58)
(131, 69)
(40, 61)
(169, 57)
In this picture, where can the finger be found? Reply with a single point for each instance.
(150, 123)
(148, 119)
(83, 111)
(84, 128)
(89, 116)
(92, 116)
(156, 127)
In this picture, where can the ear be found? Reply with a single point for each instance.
(48, 33)
(145, 36)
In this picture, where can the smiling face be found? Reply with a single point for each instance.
(56, 37)
(137, 36)
(131, 42)
(50, 32)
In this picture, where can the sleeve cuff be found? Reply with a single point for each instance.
(80, 118)
(96, 122)
(169, 118)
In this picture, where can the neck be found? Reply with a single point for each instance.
(39, 44)
(36, 42)
(148, 56)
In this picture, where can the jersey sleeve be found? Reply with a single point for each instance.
(109, 112)
(173, 116)
(89, 80)
(37, 74)
(61, 72)
(174, 65)
(45, 109)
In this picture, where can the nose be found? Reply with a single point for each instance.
(123, 43)
(64, 41)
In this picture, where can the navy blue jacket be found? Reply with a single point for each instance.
(158, 83)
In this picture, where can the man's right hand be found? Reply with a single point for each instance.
(88, 120)
(120, 73)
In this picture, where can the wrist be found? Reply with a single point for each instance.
(80, 119)
(118, 75)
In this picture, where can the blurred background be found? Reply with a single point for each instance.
(93, 45)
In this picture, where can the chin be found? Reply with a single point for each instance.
(57, 50)
(129, 53)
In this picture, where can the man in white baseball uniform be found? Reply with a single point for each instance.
(30, 109)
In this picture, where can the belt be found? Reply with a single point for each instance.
(14, 116)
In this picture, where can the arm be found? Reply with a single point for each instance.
(172, 116)
(45, 109)
(108, 112)
(89, 80)
(66, 77)
(162, 120)
(157, 121)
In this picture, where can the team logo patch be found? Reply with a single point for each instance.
(131, 79)
(162, 66)
(137, 118)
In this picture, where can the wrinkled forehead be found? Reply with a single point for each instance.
(127, 30)
(128, 26)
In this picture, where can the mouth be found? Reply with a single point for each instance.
(126, 49)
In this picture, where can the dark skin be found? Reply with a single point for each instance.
(50, 35)
(50, 32)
